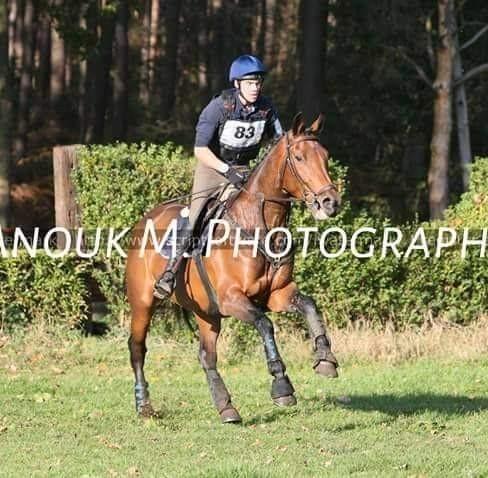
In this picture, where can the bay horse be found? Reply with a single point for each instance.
(246, 286)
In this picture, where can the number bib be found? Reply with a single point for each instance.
(238, 134)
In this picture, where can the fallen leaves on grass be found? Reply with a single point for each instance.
(106, 442)
(42, 397)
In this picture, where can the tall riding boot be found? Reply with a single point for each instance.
(166, 282)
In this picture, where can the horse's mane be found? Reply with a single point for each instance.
(271, 147)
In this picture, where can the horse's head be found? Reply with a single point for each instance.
(305, 173)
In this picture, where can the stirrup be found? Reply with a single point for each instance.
(164, 286)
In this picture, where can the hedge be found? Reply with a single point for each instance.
(43, 290)
(406, 291)
(117, 184)
(347, 288)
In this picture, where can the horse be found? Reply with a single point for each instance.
(247, 286)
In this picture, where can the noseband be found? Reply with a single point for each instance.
(306, 190)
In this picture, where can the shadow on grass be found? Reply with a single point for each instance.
(271, 416)
(411, 404)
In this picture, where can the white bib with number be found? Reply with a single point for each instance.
(238, 134)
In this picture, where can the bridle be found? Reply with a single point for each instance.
(290, 161)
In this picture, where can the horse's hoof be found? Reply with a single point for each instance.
(286, 401)
(230, 415)
(147, 411)
(326, 369)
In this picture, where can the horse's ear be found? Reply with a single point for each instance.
(317, 125)
(298, 126)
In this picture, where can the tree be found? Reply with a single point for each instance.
(438, 179)
(169, 66)
(99, 64)
(5, 108)
(145, 65)
(460, 100)
(449, 85)
(28, 47)
(121, 73)
(58, 66)
(313, 20)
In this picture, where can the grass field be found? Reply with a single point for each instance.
(67, 410)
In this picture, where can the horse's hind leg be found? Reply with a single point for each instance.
(209, 333)
(239, 306)
(290, 299)
(141, 316)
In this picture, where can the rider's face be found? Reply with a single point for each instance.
(251, 89)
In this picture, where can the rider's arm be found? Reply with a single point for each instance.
(206, 130)
(205, 155)
(275, 129)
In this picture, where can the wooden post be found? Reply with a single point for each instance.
(67, 212)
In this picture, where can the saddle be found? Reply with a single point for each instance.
(214, 208)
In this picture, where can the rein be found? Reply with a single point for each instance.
(309, 196)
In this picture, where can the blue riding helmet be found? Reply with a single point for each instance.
(246, 65)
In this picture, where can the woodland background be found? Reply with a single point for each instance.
(396, 79)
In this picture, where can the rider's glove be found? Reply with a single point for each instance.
(235, 177)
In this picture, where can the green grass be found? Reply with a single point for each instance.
(67, 410)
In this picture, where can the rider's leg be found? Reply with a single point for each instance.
(165, 283)
(205, 182)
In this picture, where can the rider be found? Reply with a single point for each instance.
(229, 133)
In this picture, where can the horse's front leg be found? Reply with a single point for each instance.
(290, 299)
(239, 306)
(209, 333)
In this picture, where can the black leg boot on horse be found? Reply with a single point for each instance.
(325, 362)
(165, 284)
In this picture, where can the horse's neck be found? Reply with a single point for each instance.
(264, 184)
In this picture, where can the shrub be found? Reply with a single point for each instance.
(42, 290)
(404, 291)
(116, 185)
(472, 209)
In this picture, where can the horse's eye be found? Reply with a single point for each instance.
(298, 158)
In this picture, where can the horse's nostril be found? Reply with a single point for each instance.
(327, 202)
(330, 203)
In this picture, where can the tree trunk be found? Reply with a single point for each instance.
(169, 73)
(154, 45)
(313, 19)
(462, 117)
(87, 108)
(102, 75)
(5, 108)
(12, 20)
(203, 52)
(44, 59)
(58, 69)
(438, 179)
(121, 74)
(144, 70)
(261, 29)
(16, 32)
(269, 31)
(25, 91)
